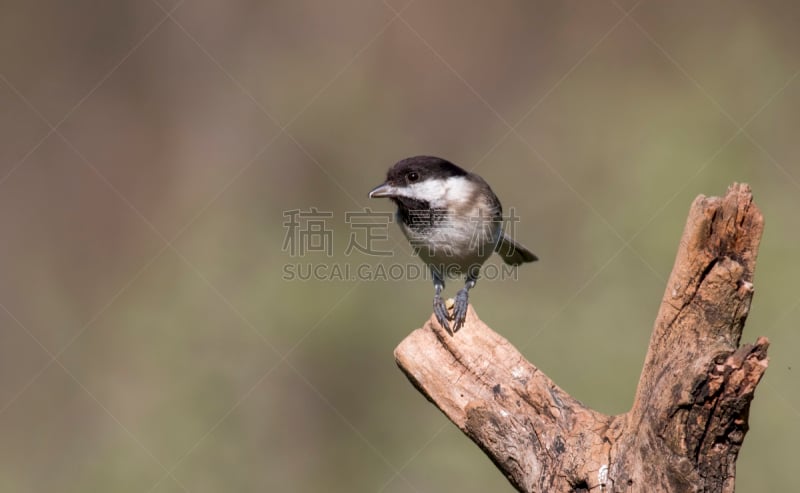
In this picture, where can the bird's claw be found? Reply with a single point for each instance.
(440, 310)
(460, 309)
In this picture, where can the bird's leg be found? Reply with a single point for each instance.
(462, 302)
(439, 308)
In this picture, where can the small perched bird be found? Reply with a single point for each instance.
(454, 222)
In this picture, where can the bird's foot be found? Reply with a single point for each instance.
(460, 309)
(440, 310)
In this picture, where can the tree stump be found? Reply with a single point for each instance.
(690, 412)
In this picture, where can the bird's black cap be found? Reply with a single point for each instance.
(425, 168)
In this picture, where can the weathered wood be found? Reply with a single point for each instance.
(690, 413)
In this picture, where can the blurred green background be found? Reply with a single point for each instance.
(150, 148)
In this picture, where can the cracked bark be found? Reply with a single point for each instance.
(690, 413)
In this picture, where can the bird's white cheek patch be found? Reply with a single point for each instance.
(431, 191)
(441, 193)
(459, 190)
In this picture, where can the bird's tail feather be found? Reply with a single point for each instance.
(513, 253)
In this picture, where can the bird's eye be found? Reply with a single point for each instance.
(413, 176)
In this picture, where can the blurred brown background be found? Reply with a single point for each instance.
(150, 148)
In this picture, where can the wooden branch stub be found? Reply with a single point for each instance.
(513, 411)
(689, 416)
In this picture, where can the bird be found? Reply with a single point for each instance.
(453, 221)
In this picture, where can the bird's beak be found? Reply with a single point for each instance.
(384, 190)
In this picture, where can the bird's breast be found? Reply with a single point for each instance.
(452, 240)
